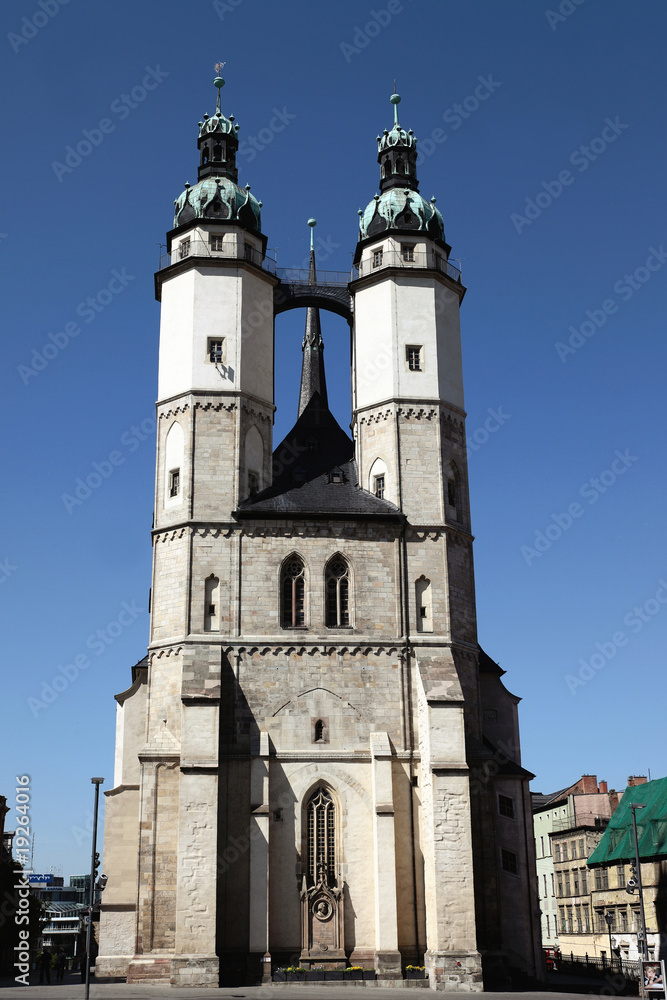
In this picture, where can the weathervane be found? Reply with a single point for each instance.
(219, 82)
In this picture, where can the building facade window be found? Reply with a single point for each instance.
(214, 350)
(556, 852)
(583, 881)
(424, 605)
(587, 919)
(293, 593)
(321, 826)
(578, 921)
(413, 357)
(377, 258)
(568, 891)
(506, 806)
(212, 604)
(184, 248)
(378, 487)
(620, 875)
(338, 593)
(510, 861)
(216, 241)
(575, 883)
(561, 915)
(407, 252)
(560, 884)
(174, 482)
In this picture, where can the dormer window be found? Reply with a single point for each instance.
(299, 475)
(336, 476)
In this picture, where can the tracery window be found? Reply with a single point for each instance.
(293, 593)
(338, 593)
(321, 818)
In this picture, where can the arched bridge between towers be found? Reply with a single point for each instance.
(329, 291)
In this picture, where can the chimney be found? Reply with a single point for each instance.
(603, 787)
(636, 779)
(589, 784)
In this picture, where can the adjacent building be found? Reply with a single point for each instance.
(567, 825)
(615, 911)
(315, 763)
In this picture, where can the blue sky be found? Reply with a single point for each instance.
(543, 138)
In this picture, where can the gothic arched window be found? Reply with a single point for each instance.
(321, 818)
(293, 593)
(338, 593)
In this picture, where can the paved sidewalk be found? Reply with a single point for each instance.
(74, 990)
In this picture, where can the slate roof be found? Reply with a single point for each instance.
(306, 467)
(617, 843)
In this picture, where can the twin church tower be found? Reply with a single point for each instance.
(316, 764)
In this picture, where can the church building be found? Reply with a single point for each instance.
(316, 764)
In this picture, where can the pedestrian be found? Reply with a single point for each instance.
(44, 966)
(61, 962)
(82, 962)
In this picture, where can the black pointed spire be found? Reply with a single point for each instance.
(312, 369)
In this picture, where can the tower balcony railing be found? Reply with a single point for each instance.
(406, 258)
(301, 276)
(202, 248)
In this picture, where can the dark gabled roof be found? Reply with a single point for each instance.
(315, 474)
(617, 843)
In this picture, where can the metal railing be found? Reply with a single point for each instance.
(407, 259)
(299, 276)
(202, 248)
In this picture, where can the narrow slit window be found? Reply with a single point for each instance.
(174, 482)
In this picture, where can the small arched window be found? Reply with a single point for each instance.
(400, 168)
(321, 820)
(338, 593)
(424, 606)
(211, 604)
(217, 151)
(293, 593)
(204, 155)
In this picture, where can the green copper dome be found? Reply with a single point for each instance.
(401, 208)
(218, 198)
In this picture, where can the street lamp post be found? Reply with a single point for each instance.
(609, 919)
(91, 898)
(642, 918)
